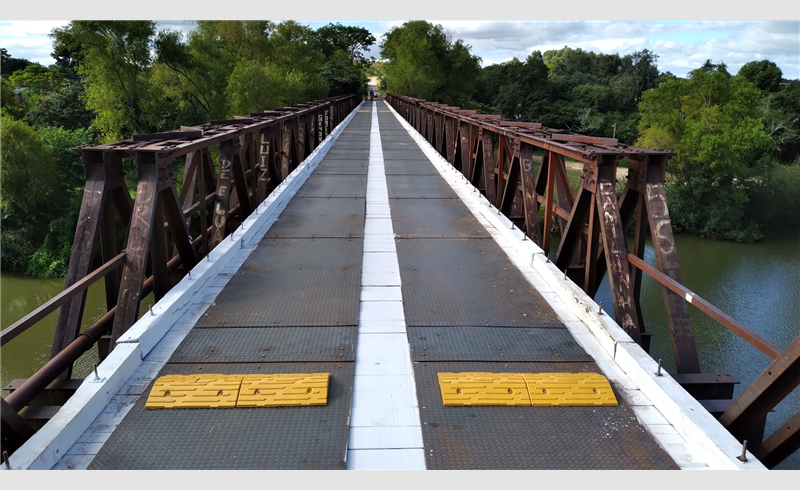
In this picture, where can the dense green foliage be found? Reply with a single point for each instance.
(593, 94)
(113, 79)
(9, 64)
(724, 159)
(422, 62)
(736, 139)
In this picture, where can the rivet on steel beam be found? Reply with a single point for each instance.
(151, 311)
(190, 274)
(600, 308)
(96, 376)
(565, 274)
(658, 373)
(743, 457)
(5, 460)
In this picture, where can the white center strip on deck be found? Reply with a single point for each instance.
(385, 428)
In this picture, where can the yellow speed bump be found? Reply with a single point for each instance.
(569, 389)
(525, 389)
(284, 390)
(239, 390)
(465, 389)
(195, 391)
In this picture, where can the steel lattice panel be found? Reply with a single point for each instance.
(292, 282)
(310, 217)
(334, 186)
(267, 344)
(463, 282)
(434, 218)
(298, 438)
(494, 344)
(418, 187)
(530, 438)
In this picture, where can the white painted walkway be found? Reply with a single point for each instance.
(385, 429)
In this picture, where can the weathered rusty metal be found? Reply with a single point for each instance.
(781, 444)
(496, 145)
(61, 298)
(752, 338)
(778, 380)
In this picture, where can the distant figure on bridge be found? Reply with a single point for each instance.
(371, 95)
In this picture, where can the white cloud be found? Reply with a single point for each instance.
(681, 46)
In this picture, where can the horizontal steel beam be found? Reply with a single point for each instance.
(724, 319)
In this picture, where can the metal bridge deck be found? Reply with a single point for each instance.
(297, 305)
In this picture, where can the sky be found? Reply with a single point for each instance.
(681, 45)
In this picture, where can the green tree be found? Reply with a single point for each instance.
(9, 64)
(350, 39)
(423, 62)
(116, 65)
(63, 107)
(763, 74)
(33, 191)
(342, 75)
(35, 77)
(193, 74)
(711, 121)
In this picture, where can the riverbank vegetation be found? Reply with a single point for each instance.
(736, 138)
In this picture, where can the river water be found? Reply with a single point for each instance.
(757, 284)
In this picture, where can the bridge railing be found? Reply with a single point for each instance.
(167, 231)
(521, 166)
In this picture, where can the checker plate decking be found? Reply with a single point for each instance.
(240, 439)
(311, 217)
(293, 282)
(501, 344)
(529, 438)
(434, 218)
(269, 344)
(466, 282)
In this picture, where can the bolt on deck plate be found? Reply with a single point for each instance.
(239, 390)
(283, 390)
(569, 390)
(195, 391)
(525, 389)
(466, 389)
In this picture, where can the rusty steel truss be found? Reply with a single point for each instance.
(520, 167)
(256, 153)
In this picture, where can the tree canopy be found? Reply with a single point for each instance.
(422, 61)
(711, 120)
